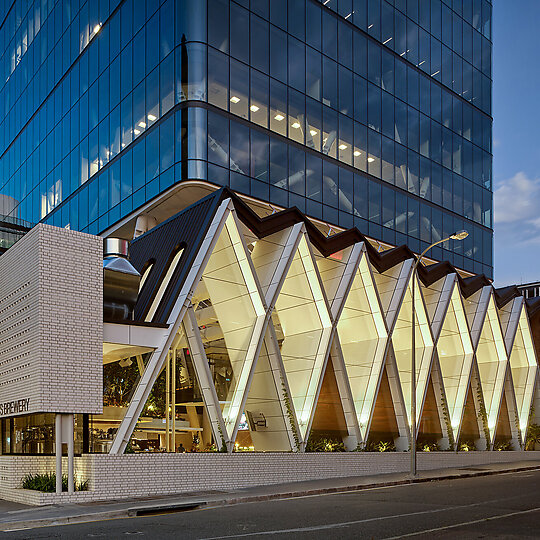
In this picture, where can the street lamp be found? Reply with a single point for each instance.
(458, 235)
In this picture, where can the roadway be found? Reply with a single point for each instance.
(502, 505)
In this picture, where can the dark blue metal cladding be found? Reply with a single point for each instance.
(186, 230)
(373, 113)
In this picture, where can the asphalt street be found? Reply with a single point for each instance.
(498, 506)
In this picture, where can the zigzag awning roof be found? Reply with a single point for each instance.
(189, 226)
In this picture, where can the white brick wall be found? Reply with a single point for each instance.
(142, 475)
(51, 321)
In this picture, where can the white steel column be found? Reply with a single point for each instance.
(282, 387)
(69, 419)
(447, 434)
(340, 371)
(397, 400)
(511, 407)
(392, 313)
(168, 402)
(270, 297)
(58, 451)
(173, 399)
(483, 442)
(438, 316)
(345, 393)
(268, 336)
(206, 383)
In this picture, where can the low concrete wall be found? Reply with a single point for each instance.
(142, 475)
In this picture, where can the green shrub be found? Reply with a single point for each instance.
(503, 446)
(533, 437)
(467, 446)
(320, 443)
(380, 446)
(46, 482)
(426, 446)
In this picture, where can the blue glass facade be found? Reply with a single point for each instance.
(371, 113)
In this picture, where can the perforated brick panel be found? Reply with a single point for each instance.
(51, 323)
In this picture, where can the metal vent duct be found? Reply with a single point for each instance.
(120, 281)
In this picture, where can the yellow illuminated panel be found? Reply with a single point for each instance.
(491, 360)
(230, 316)
(402, 342)
(523, 367)
(455, 353)
(303, 328)
(362, 333)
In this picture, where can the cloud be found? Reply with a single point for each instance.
(516, 212)
(516, 200)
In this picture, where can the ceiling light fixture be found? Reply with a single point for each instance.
(371, 159)
(296, 125)
(342, 147)
(151, 117)
(234, 99)
(254, 108)
(356, 153)
(279, 117)
(313, 132)
(142, 124)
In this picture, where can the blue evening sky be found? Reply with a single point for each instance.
(516, 137)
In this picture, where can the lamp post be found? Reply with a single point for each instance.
(458, 235)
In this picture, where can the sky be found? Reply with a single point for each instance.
(516, 139)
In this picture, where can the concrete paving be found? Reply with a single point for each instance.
(15, 516)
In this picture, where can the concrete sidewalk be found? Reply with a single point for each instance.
(15, 516)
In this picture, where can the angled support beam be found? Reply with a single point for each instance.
(204, 376)
(280, 273)
(283, 389)
(345, 394)
(158, 358)
(397, 400)
(346, 281)
(442, 405)
(398, 294)
(239, 396)
(511, 406)
(285, 252)
(484, 441)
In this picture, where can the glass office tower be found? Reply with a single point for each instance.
(366, 113)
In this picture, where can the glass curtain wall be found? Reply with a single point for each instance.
(366, 112)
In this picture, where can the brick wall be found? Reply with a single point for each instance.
(51, 321)
(142, 475)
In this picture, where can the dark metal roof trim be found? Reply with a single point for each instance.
(185, 230)
(506, 294)
(327, 245)
(189, 227)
